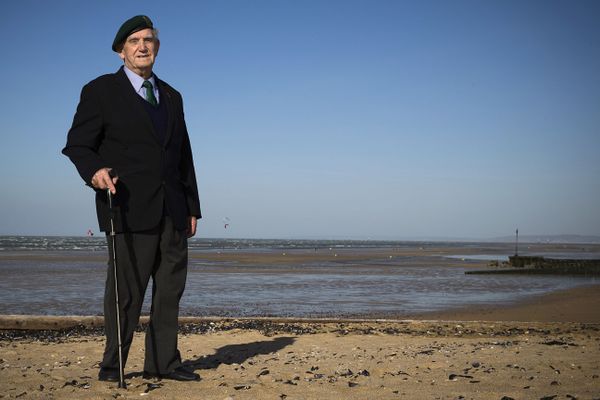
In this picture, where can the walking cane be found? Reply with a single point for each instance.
(114, 251)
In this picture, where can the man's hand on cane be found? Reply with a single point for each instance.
(102, 180)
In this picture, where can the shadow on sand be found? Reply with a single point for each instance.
(238, 353)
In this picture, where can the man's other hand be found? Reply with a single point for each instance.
(102, 180)
(191, 230)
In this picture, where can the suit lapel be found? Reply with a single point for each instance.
(165, 95)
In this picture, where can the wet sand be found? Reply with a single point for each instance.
(460, 355)
(581, 304)
(305, 255)
(388, 282)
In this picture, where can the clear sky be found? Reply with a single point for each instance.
(328, 119)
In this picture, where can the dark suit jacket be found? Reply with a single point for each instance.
(112, 129)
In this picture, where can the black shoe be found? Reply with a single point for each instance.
(178, 374)
(108, 374)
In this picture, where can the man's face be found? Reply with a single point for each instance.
(139, 52)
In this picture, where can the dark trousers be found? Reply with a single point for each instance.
(159, 253)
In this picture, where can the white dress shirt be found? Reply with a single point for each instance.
(137, 82)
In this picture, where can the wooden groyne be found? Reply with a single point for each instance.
(541, 265)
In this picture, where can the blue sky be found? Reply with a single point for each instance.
(328, 119)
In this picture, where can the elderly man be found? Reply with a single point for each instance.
(129, 136)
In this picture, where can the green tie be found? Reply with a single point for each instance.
(149, 93)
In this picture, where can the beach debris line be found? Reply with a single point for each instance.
(273, 327)
(559, 342)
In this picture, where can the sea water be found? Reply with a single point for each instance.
(66, 276)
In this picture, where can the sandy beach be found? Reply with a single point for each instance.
(548, 348)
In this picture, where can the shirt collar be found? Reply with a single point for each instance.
(137, 80)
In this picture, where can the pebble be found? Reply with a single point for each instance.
(264, 372)
(152, 386)
(453, 377)
(344, 372)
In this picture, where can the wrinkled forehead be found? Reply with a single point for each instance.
(143, 34)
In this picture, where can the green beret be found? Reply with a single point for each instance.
(130, 26)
